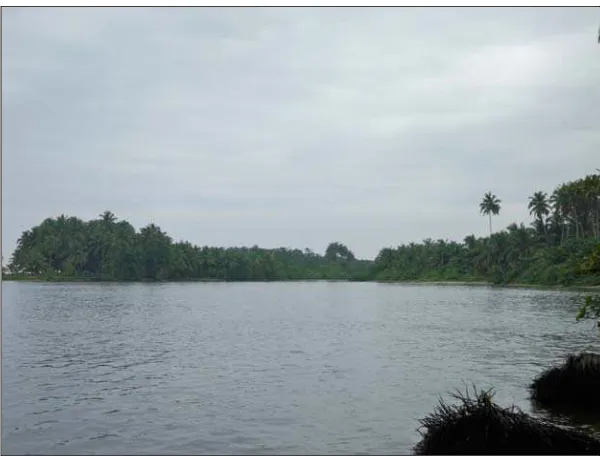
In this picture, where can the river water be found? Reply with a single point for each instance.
(319, 367)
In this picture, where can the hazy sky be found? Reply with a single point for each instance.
(294, 127)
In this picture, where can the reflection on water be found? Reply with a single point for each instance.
(263, 368)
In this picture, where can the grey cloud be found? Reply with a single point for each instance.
(279, 126)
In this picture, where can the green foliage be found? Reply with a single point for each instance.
(565, 230)
(490, 205)
(590, 309)
(338, 252)
(539, 205)
(107, 249)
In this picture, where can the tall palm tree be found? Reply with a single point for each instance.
(560, 201)
(539, 207)
(490, 205)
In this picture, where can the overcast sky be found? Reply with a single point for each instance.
(294, 127)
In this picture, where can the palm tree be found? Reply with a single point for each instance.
(490, 205)
(561, 201)
(108, 217)
(539, 207)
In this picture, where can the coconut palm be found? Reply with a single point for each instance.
(108, 217)
(490, 205)
(539, 207)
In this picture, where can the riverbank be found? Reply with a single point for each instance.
(480, 283)
(60, 279)
(41, 279)
(471, 283)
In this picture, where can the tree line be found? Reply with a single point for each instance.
(565, 230)
(108, 249)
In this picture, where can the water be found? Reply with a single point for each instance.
(262, 368)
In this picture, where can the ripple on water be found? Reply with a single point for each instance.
(261, 368)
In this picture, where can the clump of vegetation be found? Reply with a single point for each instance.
(479, 426)
(575, 383)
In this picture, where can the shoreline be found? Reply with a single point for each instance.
(471, 283)
(479, 283)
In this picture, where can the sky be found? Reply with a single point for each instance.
(295, 127)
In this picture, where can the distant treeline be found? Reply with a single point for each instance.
(565, 230)
(107, 249)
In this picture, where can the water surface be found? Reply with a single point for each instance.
(262, 367)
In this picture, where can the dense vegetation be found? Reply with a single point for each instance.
(591, 306)
(107, 249)
(565, 231)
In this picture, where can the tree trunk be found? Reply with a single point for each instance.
(576, 223)
(597, 220)
(490, 214)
